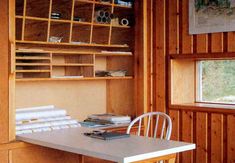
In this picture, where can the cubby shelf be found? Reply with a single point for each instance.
(35, 25)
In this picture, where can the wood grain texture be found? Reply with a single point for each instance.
(159, 54)
(4, 156)
(230, 139)
(201, 137)
(4, 69)
(216, 138)
(42, 155)
(187, 134)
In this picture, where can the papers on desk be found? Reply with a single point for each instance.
(108, 119)
(45, 118)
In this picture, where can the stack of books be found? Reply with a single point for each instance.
(111, 119)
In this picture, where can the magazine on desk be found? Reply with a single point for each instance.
(110, 117)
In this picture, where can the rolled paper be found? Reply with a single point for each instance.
(100, 13)
(45, 124)
(43, 120)
(104, 20)
(40, 114)
(107, 14)
(124, 22)
(35, 108)
(98, 19)
(108, 20)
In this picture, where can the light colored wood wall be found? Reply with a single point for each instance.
(78, 98)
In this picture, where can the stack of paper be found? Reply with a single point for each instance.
(109, 119)
(44, 118)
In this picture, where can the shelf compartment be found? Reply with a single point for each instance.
(35, 30)
(64, 71)
(64, 58)
(61, 30)
(101, 17)
(63, 7)
(19, 7)
(83, 10)
(81, 33)
(109, 63)
(100, 35)
(38, 8)
(18, 28)
(72, 65)
(122, 36)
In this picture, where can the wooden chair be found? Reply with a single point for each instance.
(152, 122)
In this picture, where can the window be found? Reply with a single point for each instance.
(216, 81)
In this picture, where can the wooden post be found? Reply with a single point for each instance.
(4, 71)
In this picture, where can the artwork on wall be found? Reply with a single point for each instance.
(209, 16)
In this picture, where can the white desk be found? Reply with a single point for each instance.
(123, 150)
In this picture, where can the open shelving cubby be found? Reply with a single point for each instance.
(76, 25)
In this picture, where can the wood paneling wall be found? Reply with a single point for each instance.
(212, 131)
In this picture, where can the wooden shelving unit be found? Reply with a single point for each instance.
(34, 24)
(64, 65)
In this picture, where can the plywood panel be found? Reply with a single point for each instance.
(36, 154)
(230, 139)
(216, 138)
(201, 137)
(120, 97)
(78, 98)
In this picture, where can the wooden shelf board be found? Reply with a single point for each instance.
(112, 54)
(29, 71)
(101, 25)
(32, 64)
(32, 58)
(103, 3)
(204, 56)
(60, 21)
(73, 79)
(71, 64)
(70, 44)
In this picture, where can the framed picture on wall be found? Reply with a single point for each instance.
(209, 16)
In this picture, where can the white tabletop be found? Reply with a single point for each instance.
(123, 150)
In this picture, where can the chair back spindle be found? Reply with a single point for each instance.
(166, 126)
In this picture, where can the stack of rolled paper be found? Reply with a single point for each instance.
(44, 118)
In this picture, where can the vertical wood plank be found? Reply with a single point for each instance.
(231, 40)
(4, 69)
(4, 156)
(202, 45)
(159, 56)
(174, 114)
(216, 42)
(173, 26)
(216, 138)
(231, 139)
(187, 40)
(201, 137)
(187, 134)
